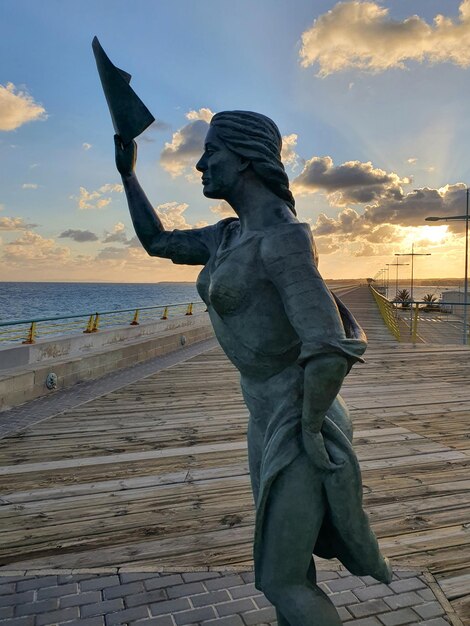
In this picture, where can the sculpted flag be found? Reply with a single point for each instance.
(129, 114)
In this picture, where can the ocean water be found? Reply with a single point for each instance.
(20, 301)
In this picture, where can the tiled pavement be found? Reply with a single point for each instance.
(207, 599)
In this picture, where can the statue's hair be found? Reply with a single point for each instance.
(257, 138)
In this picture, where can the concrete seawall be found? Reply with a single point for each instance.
(24, 369)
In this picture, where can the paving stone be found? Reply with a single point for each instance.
(13, 578)
(123, 590)
(344, 614)
(163, 581)
(408, 584)
(343, 584)
(99, 582)
(343, 597)
(439, 621)
(7, 588)
(71, 578)
(163, 620)
(407, 573)
(55, 592)
(126, 616)
(368, 580)
(372, 592)
(19, 621)
(170, 606)
(325, 576)
(397, 618)
(244, 591)
(428, 610)
(259, 617)
(6, 612)
(89, 621)
(57, 617)
(187, 589)
(366, 621)
(235, 606)
(191, 577)
(36, 608)
(210, 597)
(17, 598)
(36, 583)
(102, 608)
(230, 620)
(224, 582)
(370, 607)
(87, 597)
(248, 577)
(261, 601)
(402, 600)
(194, 615)
(147, 597)
(426, 594)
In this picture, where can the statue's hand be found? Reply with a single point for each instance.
(315, 448)
(126, 156)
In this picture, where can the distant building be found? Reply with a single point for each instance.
(453, 296)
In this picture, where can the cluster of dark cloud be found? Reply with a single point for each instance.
(352, 182)
(361, 35)
(81, 236)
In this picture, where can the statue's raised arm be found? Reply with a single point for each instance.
(130, 118)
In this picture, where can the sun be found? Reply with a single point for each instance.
(432, 234)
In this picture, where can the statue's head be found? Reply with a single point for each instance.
(237, 141)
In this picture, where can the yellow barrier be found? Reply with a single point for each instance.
(388, 313)
(31, 334)
(190, 309)
(135, 321)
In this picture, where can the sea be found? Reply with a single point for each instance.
(26, 301)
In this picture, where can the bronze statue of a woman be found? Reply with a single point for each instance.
(292, 341)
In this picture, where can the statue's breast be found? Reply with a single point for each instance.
(232, 282)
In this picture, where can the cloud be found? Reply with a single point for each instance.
(79, 235)
(118, 234)
(288, 154)
(204, 114)
(179, 156)
(171, 214)
(86, 146)
(223, 209)
(14, 223)
(96, 199)
(32, 248)
(17, 108)
(29, 186)
(352, 182)
(412, 161)
(361, 35)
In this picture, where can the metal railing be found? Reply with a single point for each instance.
(28, 331)
(388, 312)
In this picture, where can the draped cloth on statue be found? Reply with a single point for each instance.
(271, 313)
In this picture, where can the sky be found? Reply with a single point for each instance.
(371, 99)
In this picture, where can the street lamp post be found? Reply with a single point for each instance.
(465, 292)
(396, 277)
(412, 254)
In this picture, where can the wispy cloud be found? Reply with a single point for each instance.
(29, 186)
(14, 223)
(97, 199)
(80, 236)
(86, 146)
(117, 235)
(32, 248)
(361, 35)
(223, 209)
(17, 108)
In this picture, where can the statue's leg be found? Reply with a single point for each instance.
(292, 521)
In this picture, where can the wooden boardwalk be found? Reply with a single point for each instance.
(155, 474)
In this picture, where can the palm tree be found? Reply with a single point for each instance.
(403, 296)
(430, 299)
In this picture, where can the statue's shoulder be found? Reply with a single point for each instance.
(283, 240)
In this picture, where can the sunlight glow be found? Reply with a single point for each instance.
(433, 234)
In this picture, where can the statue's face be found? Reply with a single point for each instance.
(220, 167)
